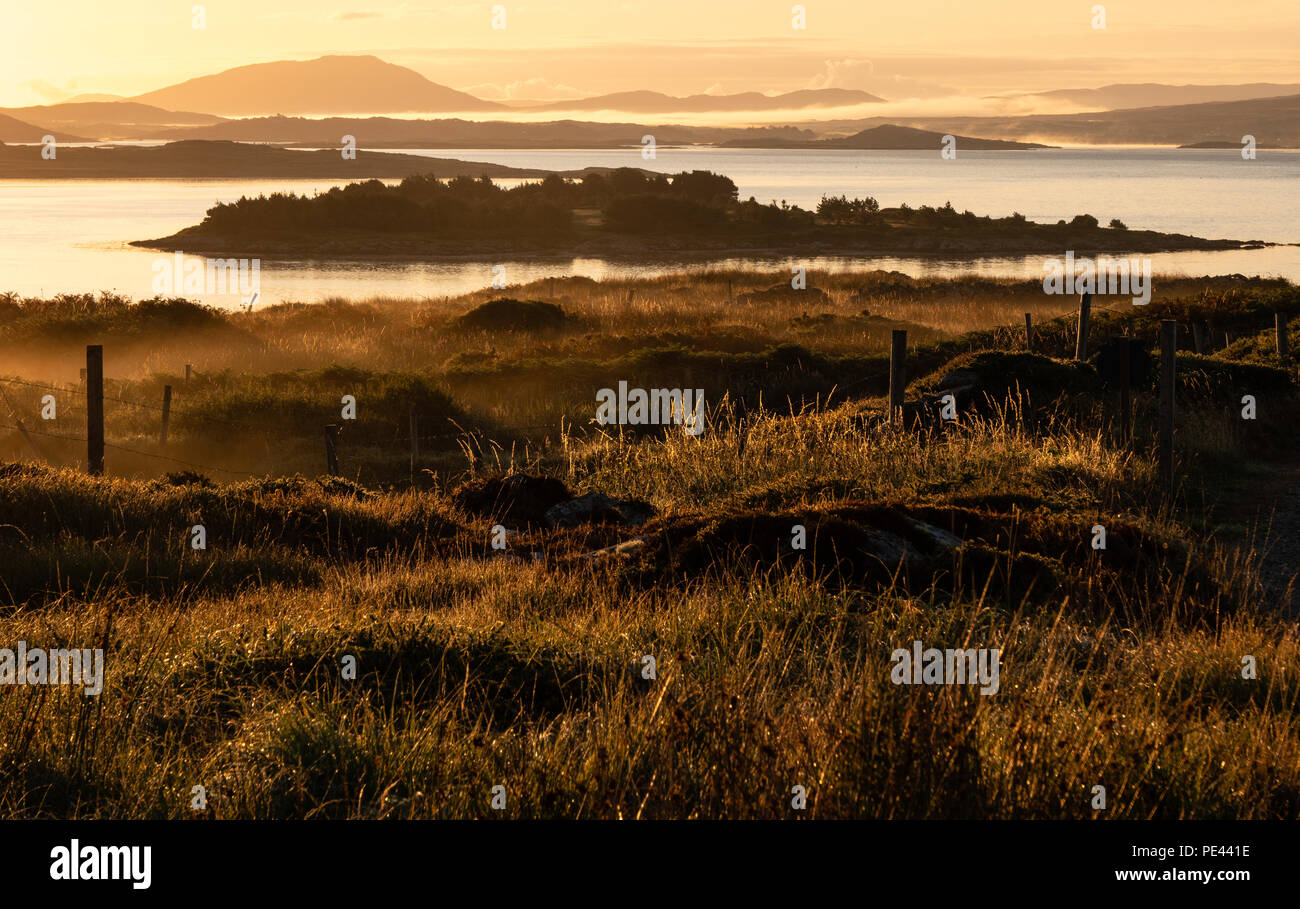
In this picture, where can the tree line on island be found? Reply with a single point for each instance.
(624, 200)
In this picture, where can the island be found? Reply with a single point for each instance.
(627, 213)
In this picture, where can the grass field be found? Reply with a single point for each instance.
(524, 667)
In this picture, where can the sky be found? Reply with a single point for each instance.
(556, 49)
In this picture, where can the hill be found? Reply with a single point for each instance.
(14, 130)
(1272, 121)
(109, 119)
(887, 136)
(236, 160)
(326, 85)
(373, 132)
(1126, 95)
(648, 102)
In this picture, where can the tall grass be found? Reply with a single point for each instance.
(524, 668)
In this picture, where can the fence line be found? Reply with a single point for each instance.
(137, 451)
(70, 389)
(243, 424)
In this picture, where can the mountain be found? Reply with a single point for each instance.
(1272, 121)
(326, 85)
(92, 96)
(1129, 95)
(14, 130)
(647, 102)
(237, 160)
(109, 119)
(378, 132)
(887, 136)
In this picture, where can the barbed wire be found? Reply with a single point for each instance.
(419, 436)
(175, 411)
(136, 451)
(243, 424)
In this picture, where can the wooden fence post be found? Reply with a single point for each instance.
(1168, 383)
(897, 374)
(1029, 332)
(188, 372)
(332, 448)
(167, 415)
(1085, 312)
(1201, 337)
(95, 409)
(1279, 326)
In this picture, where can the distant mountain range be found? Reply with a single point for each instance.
(887, 136)
(109, 119)
(646, 102)
(368, 85)
(1122, 96)
(1272, 121)
(244, 161)
(324, 96)
(378, 132)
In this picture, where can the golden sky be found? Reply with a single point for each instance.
(51, 49)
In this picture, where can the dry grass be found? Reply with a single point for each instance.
(478, 668)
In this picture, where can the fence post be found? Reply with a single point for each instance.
(1029, 332)
(167, 415)
(1279, 326)
(1200, 337)
(188, 372)
(1168, 382)
(1081, 341)
(95, 409)
(332, 449)
(415, 441)
(897, 374)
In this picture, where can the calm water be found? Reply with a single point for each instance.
(70, 235)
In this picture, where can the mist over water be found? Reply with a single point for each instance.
(69, 236)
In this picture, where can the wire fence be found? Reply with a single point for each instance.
(417, 437)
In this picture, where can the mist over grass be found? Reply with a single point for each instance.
(522, 667)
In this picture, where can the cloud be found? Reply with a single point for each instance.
(47, 91)
(358, 14)
(861, 74)
(536, 89)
